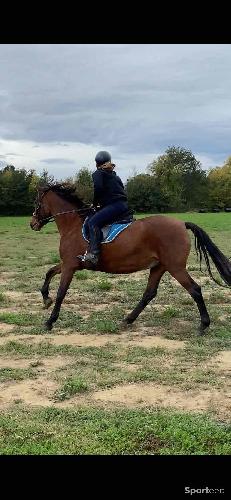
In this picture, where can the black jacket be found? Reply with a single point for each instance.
(108, 188)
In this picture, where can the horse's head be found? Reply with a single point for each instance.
(66, 202)
(42, 212)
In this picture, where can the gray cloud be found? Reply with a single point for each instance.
(54, 161)
(138, 99)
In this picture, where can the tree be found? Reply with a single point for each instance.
(46, 178)
(180, 178)
(33, 186)
(219, 179)
(143, 194)
(84, 184)
(14, 191)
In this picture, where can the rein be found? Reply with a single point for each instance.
(52, 217)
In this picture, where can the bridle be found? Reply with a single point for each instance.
(51, 218)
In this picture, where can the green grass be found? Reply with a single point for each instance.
(2, 297)
(53, 431)
(170, 312)
(53, 258)
(72, 386)
(7, 374)
(82, 275)
(20, 319)
(104, 285)
(208, 221)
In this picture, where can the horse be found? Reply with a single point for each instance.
(158, 243)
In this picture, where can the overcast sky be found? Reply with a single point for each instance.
(61, 104)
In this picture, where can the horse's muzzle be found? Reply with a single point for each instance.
(36, 226)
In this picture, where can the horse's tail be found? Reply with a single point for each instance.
(205, 246)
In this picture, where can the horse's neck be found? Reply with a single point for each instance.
(64, 222)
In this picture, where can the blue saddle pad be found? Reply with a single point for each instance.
(109, 232)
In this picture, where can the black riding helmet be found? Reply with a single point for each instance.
(102, 157)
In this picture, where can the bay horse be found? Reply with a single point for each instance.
(158, 243)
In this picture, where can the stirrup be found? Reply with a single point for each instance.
(82, 257)
(89, 258)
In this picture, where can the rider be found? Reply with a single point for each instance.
(110, 200)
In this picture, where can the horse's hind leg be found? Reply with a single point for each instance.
(45, 288)
(184, 278)
(155, 276)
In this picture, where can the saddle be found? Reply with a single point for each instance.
(110, 231)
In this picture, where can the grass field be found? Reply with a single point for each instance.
(91, 387)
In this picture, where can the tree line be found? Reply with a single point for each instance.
(175, 181)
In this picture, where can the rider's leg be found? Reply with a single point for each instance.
(104, 216)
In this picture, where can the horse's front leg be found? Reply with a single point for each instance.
(47, 301)
(65, 281)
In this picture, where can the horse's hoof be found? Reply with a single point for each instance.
(202, 330)
(47, 303)
(125, 323)
(48, 326)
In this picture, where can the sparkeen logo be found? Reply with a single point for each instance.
(201, 491)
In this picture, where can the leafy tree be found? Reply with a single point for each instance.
(84, 184)
(143, 194)
(45, 177)
(180, 178)
(219, 179)
(14, 191)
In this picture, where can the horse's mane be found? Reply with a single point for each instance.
(67, 192)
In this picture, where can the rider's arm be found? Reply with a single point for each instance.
(98, 186)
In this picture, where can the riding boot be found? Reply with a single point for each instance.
(90, 259)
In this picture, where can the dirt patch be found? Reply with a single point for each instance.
(14, 363)
(137, 276)
(5, 328)
(125, 339)
(158, 307)
(6, 277)
(14, 295)
(82, 340)
(222, 361)
(149, 337)
(13, 310)
(37, 392)
(53, 363)
(224, 317)
(75, 339)
(156, 341)
(99, 307)
(8, 274)
(49, 364)
(203, 280)
(79, 307)
(78, 340)
(183, 323)
(35, 339)
(79, 400)
(130, 367)
(70, 307)
(157, 395)
(3, 282)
